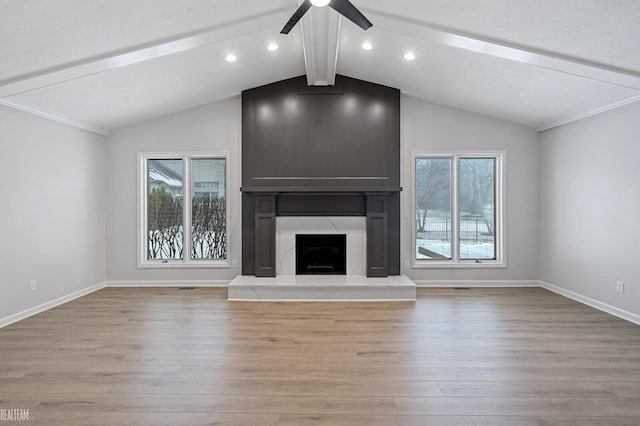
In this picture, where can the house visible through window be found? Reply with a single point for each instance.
(178, 232)
(458, 209)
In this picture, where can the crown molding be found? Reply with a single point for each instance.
(76, 124)
(600, 110)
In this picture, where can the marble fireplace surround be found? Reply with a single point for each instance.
(271, 222)
(354, 286)
(379, 210)
(354, 228)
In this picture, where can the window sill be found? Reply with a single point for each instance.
(458, 265)
(223, 264)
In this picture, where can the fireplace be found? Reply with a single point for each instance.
(306, 153)
(321, 254)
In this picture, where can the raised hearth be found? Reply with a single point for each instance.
(319, 287)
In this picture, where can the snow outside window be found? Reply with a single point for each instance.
(183, 210)
(458, 209)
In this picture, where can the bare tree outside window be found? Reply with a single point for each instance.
(164, 209)
(477, 208)
(206, 213)
(433, 207)
(455, 199)
(208, 209)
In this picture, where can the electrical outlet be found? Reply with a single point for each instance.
(620, 286)
(33, 285)
(234, 263)
(407, 263)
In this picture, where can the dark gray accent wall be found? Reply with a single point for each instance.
(340, 138)
(321, 151)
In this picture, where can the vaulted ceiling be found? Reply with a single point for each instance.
(103, 64)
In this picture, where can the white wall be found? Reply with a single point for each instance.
(424, 126)
(572, 200)
(52, 213)
(431, 127)
(590, 207)
(215, 127)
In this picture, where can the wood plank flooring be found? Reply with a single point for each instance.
(164, 356)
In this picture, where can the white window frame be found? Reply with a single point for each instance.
(500, 211)
(186, 262)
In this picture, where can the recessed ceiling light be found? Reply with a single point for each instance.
(231, 57)
(409, 56)
(367, 46)
(320, 3)
(272, 46)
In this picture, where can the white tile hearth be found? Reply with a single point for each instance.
(321, 287)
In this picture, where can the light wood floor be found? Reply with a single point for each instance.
(506, 357)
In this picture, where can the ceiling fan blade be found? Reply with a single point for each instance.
(302, 9)
(349, 11)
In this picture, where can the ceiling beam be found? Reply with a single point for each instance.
(320, 28)
(501, 49)
(72, 71)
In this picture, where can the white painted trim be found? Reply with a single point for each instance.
(49, 305)
(169, 283)
(620, 313)
(475, 283)
(186, 157)
(501, 209)
(77, 125)
(571, 119)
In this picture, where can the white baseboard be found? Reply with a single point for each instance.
(629, 316)
(620, 313)
(477, 283)
(48, 305)
(170, 283)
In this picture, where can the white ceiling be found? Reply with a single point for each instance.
(102, 64)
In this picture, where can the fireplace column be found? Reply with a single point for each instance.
(265, 235)
(377, 235)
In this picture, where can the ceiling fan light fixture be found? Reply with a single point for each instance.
(231, 57)
(272, 47)
(320, 3)
(409, 56)
(367, 46)
(343, 7)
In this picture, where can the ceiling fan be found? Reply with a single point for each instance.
(344, 7)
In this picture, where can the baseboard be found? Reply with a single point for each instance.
(477, 283)
(620, 313)
(170, 283)
(49, 305)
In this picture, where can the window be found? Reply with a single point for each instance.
(178, 233)
(459, 209)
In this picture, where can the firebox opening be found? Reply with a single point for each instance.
(321, 254)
